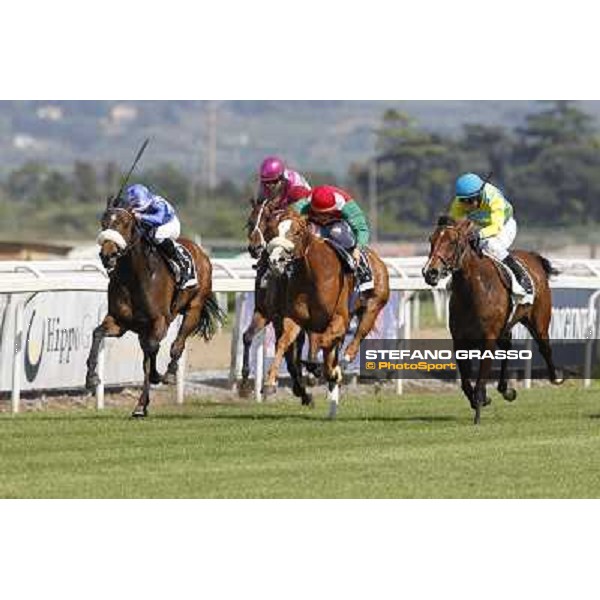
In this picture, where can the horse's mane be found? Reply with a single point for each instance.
(446, 221)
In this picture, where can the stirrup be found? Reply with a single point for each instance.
(193, 282)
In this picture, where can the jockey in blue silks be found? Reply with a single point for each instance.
(162, 227)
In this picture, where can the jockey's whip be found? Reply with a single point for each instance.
(486, 179)
(125, 180)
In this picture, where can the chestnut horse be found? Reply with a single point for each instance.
(143, 298)
(317, 297)
(481, 309)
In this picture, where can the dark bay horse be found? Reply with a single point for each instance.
(317, 297)
(481, 313)
(143, 298)
(268, 304)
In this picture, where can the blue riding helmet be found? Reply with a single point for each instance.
(138, 196)
(468, 185)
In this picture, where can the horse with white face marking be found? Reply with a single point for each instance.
(317, 297)
(143, 297)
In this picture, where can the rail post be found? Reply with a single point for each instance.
(17, 357)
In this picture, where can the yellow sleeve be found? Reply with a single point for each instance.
(457, 210)
(496, 218)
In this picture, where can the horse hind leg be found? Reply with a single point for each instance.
(333, 375)
(366, 321)
(189, 324)
(538, 328)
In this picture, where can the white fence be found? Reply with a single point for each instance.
(80, 280)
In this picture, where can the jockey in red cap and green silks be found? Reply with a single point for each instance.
(485, 205)
(340, 219)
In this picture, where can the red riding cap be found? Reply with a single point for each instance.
(327, 198)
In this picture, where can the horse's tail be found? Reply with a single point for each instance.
(546, 265)
(210, 318)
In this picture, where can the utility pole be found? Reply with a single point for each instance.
(373, 209)
(211, 150)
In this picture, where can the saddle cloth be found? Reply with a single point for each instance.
(191, 272)
(508, 278)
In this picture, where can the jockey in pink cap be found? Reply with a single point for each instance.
(281, 187)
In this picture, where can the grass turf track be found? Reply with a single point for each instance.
(546, 444)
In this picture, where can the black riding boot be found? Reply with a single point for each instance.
(364, 274)
(184, 275)
(520, 273)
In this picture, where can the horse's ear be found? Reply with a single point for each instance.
(445, 221)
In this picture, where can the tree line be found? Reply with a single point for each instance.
(549, 167)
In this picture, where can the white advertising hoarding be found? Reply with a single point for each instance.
(56, 339)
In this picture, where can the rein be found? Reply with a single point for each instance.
(263, 243)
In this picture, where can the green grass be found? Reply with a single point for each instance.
(546, 444)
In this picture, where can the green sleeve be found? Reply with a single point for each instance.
(355, 217)
(302, 206)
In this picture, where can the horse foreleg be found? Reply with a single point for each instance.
(258, 323)
(508, 393)
(150, 348)
(465, 369)
(150, 344)
(108, 328)
(480, 396)
(290, 331)
(294, 366)
(333, 375)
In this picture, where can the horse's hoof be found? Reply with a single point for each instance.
(139, 412)
(315, 369)
(307, 400)
(310, 380)
(298, 390)
(269, 390)
(337, 374)
(332, 415)
(155, 378)
(169, 378)
(559, 377)
(346, 360)
(245, 389)
(92, 382)
(486, 401)
(510, 394)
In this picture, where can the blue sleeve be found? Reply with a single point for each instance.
(156, 214)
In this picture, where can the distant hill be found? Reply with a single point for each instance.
(313, 135)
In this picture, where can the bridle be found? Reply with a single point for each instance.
(453, 264)
(124, 247)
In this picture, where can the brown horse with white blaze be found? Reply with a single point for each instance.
(317, 297)
(481, 310)
(143, 298)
